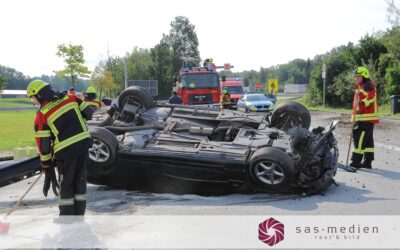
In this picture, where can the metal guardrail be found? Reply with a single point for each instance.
(19, 108)
(14, 171)
(151, 86)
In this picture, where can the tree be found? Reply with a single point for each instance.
(183, 43)
(2, 81)
(103, 81)
(161, 68)
(74, 59)
(116, 66)
(393, 14)
(13, 78)
(139, 64)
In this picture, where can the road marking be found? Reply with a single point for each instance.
(387, 146)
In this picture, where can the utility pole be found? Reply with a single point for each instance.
(126, 70)
(323, 77)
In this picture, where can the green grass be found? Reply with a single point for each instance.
(384, 109)
(15, 102)
(16, 129)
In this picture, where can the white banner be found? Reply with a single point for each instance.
(270, 231)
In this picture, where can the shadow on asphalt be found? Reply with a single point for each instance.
(31, 203)
(384, 173)
(342, 194)
(118, 200)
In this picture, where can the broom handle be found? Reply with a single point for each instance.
(355, 107)
(23, 196)
(351, 139)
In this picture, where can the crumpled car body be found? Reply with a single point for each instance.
(144, 141)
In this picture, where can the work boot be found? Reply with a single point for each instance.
(366, 164)
(355, 164)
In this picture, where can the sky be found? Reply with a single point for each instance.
(249, 34)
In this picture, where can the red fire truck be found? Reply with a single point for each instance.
(199, 85)
(234, 86)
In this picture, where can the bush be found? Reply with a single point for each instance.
(392, 77)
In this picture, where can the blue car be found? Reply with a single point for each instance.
(255, 102)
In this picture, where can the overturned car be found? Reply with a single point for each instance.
(139, 140)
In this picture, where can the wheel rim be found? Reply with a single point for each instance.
(133, 101)
(269, 172)
(99, 152)
(289, 120)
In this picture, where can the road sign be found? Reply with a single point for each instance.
(258, 85)
(323, 77)
(324, 71)
(227, 66)
(272, 86)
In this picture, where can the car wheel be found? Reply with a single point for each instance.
(271, 170)
(290, 114)
(103, 152)
(135, 96)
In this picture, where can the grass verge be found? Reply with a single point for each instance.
(384, 109)
(16, 129)
(15, 102)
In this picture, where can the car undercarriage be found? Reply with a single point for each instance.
(139, 140)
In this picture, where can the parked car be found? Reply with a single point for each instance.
(106, 101)
(144, 141)
(255, 102)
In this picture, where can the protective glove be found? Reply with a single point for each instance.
(50, 178)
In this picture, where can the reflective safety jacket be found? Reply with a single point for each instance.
(365, 103)
(60, 128)
(226, 99)
(94, 103)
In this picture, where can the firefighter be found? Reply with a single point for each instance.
(208, 62)
(91, 98)
(364, 116)
(72, 91)
(63, 140)
(175, 99)
(226, 99)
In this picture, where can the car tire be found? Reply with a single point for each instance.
(271, 170)
(290, 114)
(136, 95)
(103, 152)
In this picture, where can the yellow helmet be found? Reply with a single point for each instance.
(91, 90)
(34, 87)
(361, 71)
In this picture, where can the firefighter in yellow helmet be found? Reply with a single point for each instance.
(226, 99)
(63, 140)
(91, 98)
(364, 116)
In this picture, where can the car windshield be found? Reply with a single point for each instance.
(193, 81)
(255, 98)
(233, 89)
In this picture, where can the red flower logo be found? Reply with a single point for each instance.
(271, 232)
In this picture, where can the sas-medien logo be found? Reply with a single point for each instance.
(271, 231)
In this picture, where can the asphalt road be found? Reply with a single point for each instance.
(367, 192)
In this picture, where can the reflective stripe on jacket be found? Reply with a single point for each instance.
(94, 103)
(60, 124)
(365, 103)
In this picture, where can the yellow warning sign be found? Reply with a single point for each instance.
(272, 86)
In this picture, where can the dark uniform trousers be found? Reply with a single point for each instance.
(73, 175)
(363, 142)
